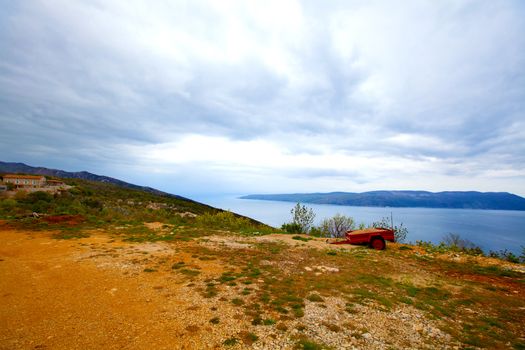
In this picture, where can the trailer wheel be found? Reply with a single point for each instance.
(378, 243)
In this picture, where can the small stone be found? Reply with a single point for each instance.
(417, 327)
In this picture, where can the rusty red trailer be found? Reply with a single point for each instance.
(375, 237)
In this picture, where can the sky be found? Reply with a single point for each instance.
(238, 97)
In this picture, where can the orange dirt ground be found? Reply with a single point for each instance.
(102, 293)
(54, 298)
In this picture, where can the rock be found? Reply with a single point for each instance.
(417, 327)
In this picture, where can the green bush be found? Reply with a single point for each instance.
(93, 203)
(224, 220)
(316, 232)
(38, 196)
(302, 220)
(443, 247)
(291, 228)
(303, 216)
(8, 204)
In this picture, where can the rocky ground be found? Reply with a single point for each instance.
(229, 291)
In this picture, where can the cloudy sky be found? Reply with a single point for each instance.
(197, 97)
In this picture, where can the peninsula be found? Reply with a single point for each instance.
(403, 199)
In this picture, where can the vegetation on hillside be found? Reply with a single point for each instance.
(335, 226)
(96, 204)
(338, 225)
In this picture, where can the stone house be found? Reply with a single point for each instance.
(24, 181)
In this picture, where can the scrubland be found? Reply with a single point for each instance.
(103, 267)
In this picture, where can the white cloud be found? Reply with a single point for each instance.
(271, 95)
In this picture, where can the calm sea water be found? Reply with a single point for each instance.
(489, 229)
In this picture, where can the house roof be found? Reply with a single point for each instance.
(26, 177)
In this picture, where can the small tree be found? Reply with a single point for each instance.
(400, 232)
(336, 226)
(303, 217)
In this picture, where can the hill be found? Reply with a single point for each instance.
(422, 199)
(21, 168)
(101, 200)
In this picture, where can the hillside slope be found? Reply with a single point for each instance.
(21, 168)
(101, 200)
(448, 199)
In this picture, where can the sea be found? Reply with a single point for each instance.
(494, 230)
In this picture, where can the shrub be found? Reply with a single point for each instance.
(224, 220)
(231, 341)
(455, 240)
(505, 255)
(336, 226)
(20, 195)
(237, 301)
(38, 196)
(316, 232)
(443, 247)
(248, 338)
(93, 203)
(7, 204)
(302, 219)
(315, 297)
(308, 344)
(291, 228)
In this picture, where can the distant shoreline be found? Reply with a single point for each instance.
(405, 199)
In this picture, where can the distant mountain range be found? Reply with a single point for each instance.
(21, 168)
(421, 199)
